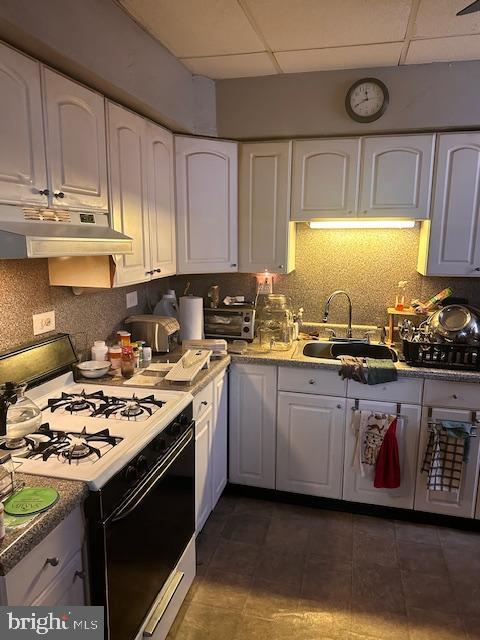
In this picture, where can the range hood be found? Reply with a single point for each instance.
(46, 233)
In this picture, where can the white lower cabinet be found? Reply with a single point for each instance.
(253, 425)
(310, 435)
(219, 437)
(203, 491)
(454, 503)
(359, 489)
(52, 573)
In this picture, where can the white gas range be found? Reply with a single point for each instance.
(91, 432)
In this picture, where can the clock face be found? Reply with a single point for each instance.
(367, 100)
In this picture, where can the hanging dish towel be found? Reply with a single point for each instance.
(387, 470)
(352, 369)
(443, 461)
(370, 429)
(380, 371)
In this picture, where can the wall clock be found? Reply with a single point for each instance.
(366, 100)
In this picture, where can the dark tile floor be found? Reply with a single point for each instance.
(280, 572)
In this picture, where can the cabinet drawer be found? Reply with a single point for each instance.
(403, 390)
(317, 381)
(203, 401)
(26, 581)
(462, 395)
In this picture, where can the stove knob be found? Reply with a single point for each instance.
(160, 444)
(184, 420)
(131, 474)
(175, 429)
(141, 465)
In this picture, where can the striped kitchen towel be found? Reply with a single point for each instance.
(443, 461)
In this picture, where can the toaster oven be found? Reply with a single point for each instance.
(230, 323)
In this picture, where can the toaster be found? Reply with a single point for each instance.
(160, 332)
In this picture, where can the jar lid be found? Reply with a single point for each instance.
(99, 343)
(115, 349)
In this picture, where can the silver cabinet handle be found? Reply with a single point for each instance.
(53, 562)
(312, 381)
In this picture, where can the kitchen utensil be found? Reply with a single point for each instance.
(160, 332)
(455, 323)
(189, 366)
(19, 415)
(94, 368)
(30, 500)
(214, 295)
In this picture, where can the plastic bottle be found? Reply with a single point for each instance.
(99, 350)
(115, 357)
(147, 355)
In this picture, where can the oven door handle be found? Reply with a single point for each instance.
(144, 489)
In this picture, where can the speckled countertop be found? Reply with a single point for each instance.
(293, 358)
(19, 542)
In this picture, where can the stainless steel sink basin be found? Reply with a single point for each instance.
(331, 350)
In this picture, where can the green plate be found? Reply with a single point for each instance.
(30, 500)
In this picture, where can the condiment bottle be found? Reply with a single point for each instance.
(124, 338)
(99, 350)
(128, 362)
(147, 355)
(115, 356)
(136, 355)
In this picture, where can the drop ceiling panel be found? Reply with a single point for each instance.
(444, 49)
(371, 55)
(192, 28)
(311, 24)
(235, 66)
(438, 18)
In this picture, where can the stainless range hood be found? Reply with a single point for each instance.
(46, 233)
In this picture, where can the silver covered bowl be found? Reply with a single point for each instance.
(455, 323)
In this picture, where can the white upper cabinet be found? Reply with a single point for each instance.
(161, 188)
(266, 235)
(450, 242)
(324, 178)
(23, 171)
(76, 144)
(206, 188)
(128, 161)
(396, 176)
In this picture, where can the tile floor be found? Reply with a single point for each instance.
(269, 571)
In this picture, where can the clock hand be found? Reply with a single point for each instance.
(361, 102)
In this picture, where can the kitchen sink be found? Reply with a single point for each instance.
(331, 350)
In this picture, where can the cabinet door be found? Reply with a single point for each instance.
(324, 178)
(76, 144)
(67, 589)
(219, 437)
(310, 436)
(128, 182)
(266, 237)
(252, 424)
(396, 176)
(23, 172)
(203, 478)
(453, 503)
(161, 191)
(206, 187)
(358, 489)
(451, 241)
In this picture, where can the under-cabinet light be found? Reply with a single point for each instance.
(362, 224)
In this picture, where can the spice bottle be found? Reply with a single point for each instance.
(115, 357)
(128, 362)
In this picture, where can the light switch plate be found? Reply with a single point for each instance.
(43, 322)
(132, 299)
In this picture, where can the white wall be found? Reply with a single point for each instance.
(99, 44)
(432, 96)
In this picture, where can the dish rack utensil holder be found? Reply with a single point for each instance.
(442, 355)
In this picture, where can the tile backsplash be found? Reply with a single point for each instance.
(366, 263)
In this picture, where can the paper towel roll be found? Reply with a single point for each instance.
(191, 318)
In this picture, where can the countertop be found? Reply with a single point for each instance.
(19, 542)
(292, 358)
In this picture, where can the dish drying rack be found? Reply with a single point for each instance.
(441, 355)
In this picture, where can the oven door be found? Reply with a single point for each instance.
(223, 324)
(145, 537)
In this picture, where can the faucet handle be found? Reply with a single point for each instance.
(383, 334)
(369, 333)
(331, 332)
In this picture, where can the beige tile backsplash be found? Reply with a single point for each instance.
(368, 264)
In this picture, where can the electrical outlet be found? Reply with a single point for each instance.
(264, 283)
(43, 322)
(132, 299)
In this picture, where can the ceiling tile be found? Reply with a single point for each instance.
(312, 24)
(235, 66)
(370, 55)
(444, 49)
(192, 28)
(438, 18)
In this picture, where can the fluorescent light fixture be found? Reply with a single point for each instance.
(362, 224)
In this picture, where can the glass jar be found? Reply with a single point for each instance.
(275, 316)
(128, 362)
(124, 338)
(115, 357)
(22, 414)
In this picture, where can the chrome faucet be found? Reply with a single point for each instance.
(327, 309)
